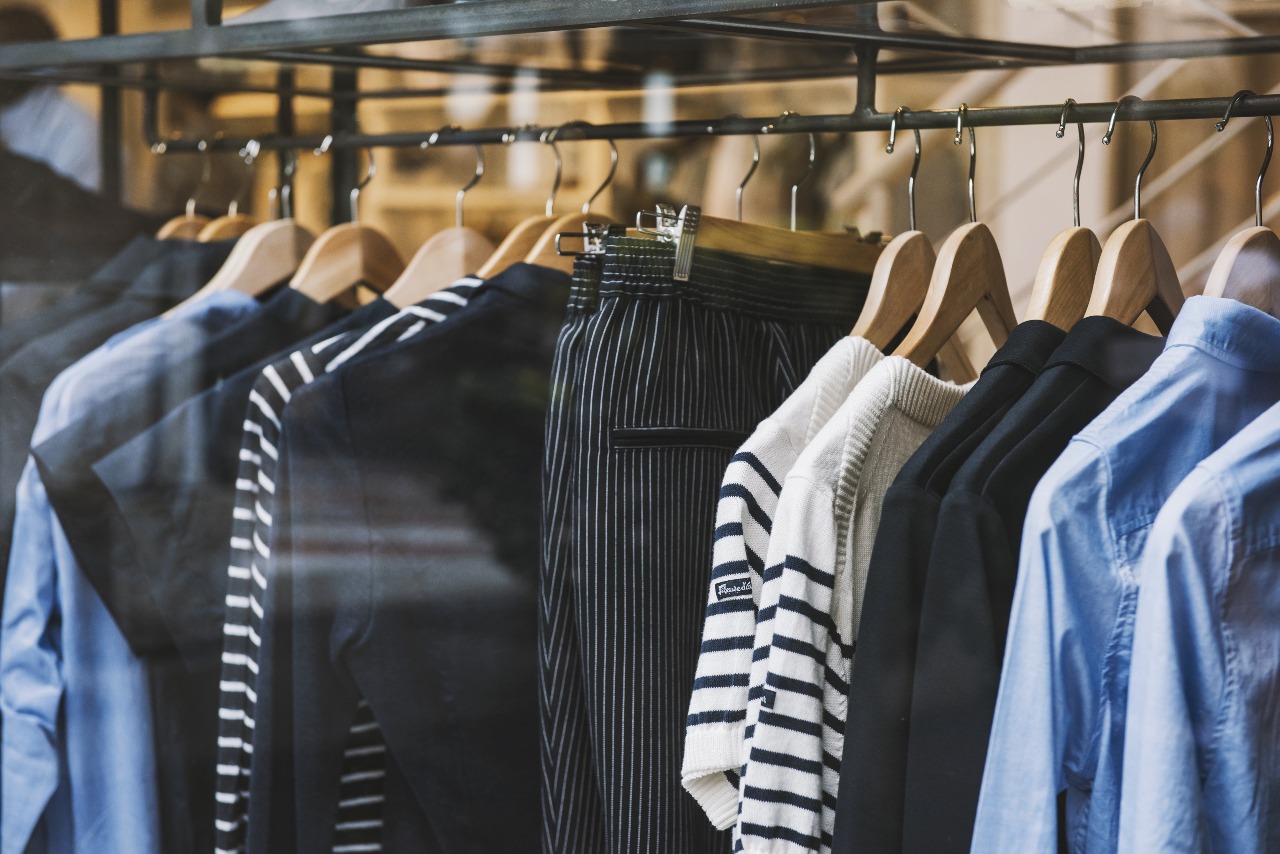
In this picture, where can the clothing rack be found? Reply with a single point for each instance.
(138, 61)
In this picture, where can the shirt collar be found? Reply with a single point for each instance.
(180, 270)
(1028, 346)
(1108, 349)
(1229, 330)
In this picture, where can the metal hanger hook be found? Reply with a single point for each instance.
(281, 198)
(206, 172)
(1151, 152)
(249, 154)
(1266, 160)
(325, 145)
(1075, 185)
(461, 195)
(548, 138)
(813, 151)
(973, 155)
(755, 164)
(613, 159)
(915, 164)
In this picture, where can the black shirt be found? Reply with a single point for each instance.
(973, 568)
(873, 769)
(405, 571)
(180, 271)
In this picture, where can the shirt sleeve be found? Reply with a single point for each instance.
(31, 683)
(1178, 673)
(715, 726)
(1043, 731)
(782, 805)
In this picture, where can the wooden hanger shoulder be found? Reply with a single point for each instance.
(344, 256)
(899, 283)
(515, 246)
(183, 227)
(1248, 270)
(832, 250)
(438, 263)
(226, 227)
(1136, 274)
(1064, 280)
(969, 274)
(265, 256)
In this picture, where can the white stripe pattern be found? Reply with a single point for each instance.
(250, 568)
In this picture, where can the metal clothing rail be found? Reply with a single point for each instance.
(273, 40)
(857, 121)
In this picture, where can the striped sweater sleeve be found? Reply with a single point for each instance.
(717, 729)
(799, 664)
(718, 707)
(248, 575)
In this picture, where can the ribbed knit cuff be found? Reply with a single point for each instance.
(710, 751)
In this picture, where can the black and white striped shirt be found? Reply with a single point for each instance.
(359, 823)
(715, 732)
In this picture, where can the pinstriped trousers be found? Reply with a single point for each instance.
(655, 385)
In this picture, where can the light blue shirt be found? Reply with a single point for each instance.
(77, 745)
(1202, 756)
(1060, 717)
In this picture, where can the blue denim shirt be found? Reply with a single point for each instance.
(1059, 720)
(1200, 759)
(77, 747)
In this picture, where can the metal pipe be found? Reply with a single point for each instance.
(1047, 114)
(109, 115)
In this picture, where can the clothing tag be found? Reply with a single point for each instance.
(770, 696)
(740, 587)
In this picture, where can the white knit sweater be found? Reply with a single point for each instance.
(714, 741)
(819, 551)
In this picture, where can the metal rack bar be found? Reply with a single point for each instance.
(208, 37)
(109, 114)
(1047, 114)
(422, 23)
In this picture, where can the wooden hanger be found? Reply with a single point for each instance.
(446, 257)
(265, 256)
(226, 227)
(348, 254)
(344, 256)
(516, 246)
(1248, 267)
(188, 224)
(969, 274)
(1135, 273)
(1064, 281)
(900, 279)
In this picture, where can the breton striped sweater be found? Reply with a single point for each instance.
(819, 554)
(359, 824)
(715, 728)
